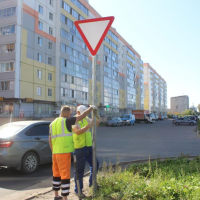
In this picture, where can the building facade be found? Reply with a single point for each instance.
(179, 104)
(155, 91)
(45, 64)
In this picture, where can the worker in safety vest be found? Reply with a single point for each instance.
(83, 147)
(61, 144)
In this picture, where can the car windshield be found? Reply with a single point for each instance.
(126, 116)
(115, 118)
(9, 130)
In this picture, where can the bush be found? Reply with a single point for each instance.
(170, 179)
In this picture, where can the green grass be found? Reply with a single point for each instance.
(170, 179)
(199, 125)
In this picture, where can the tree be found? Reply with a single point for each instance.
(188, 112)
(198, 107)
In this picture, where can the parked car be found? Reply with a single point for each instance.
(184, 121)
(192, 117)
(165, 117)
(156, 117)
(160, 117)
(153, 116)
(25, 145)
(128, 119)
(116, 121)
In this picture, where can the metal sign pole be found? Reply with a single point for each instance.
(94, 165)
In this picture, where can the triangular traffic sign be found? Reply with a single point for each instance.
(93, 31)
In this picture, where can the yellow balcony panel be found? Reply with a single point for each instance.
(108, 36)
(130, 62)
(130, 55)
(26, 90)
(76, 9)
(110, 47)
(64, 12)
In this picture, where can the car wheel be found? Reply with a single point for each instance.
(191, 124)
(116, 124)
(30, 163)
(177, 123)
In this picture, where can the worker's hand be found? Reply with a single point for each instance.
(93, 107)
(91, 124)
(96, 114)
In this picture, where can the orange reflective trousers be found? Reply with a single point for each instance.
(61, 172)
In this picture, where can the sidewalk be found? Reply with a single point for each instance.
(50, 195)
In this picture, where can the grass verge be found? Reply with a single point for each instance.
(170, 179)
(199, 126)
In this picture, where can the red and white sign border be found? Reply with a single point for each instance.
(94, 51)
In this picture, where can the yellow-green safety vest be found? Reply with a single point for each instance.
(84, 139)
(61, 138)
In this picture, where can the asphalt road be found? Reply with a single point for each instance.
(124, 143)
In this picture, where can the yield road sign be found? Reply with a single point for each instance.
(93, 31)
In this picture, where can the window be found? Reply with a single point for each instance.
(39, 74)
(51, 16)
(7, 48)
(49, 76)
(7, 30)
(49, 92)
(39, 57)
(39, 91)
(50, 46)
(41, 130)
(8, 12)
(40, 25)
(51, 2)
(40, 41)
(50, 31)
(6, 67)
(7, 85)
(80, 6)
(50, 61)
(40, 9)
(72, 79)
(72, 93)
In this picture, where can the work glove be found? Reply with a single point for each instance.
(96, 114)
(94, 107)
(91, 124)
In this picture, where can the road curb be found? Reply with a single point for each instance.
(49, 189)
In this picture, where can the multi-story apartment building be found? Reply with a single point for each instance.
(44, 62)
(155, 91)
(179, 104)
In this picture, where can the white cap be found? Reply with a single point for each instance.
(81, 109)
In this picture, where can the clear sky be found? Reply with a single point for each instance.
(166, 33)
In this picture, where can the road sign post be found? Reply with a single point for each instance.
(94, 160)
(93, 32)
